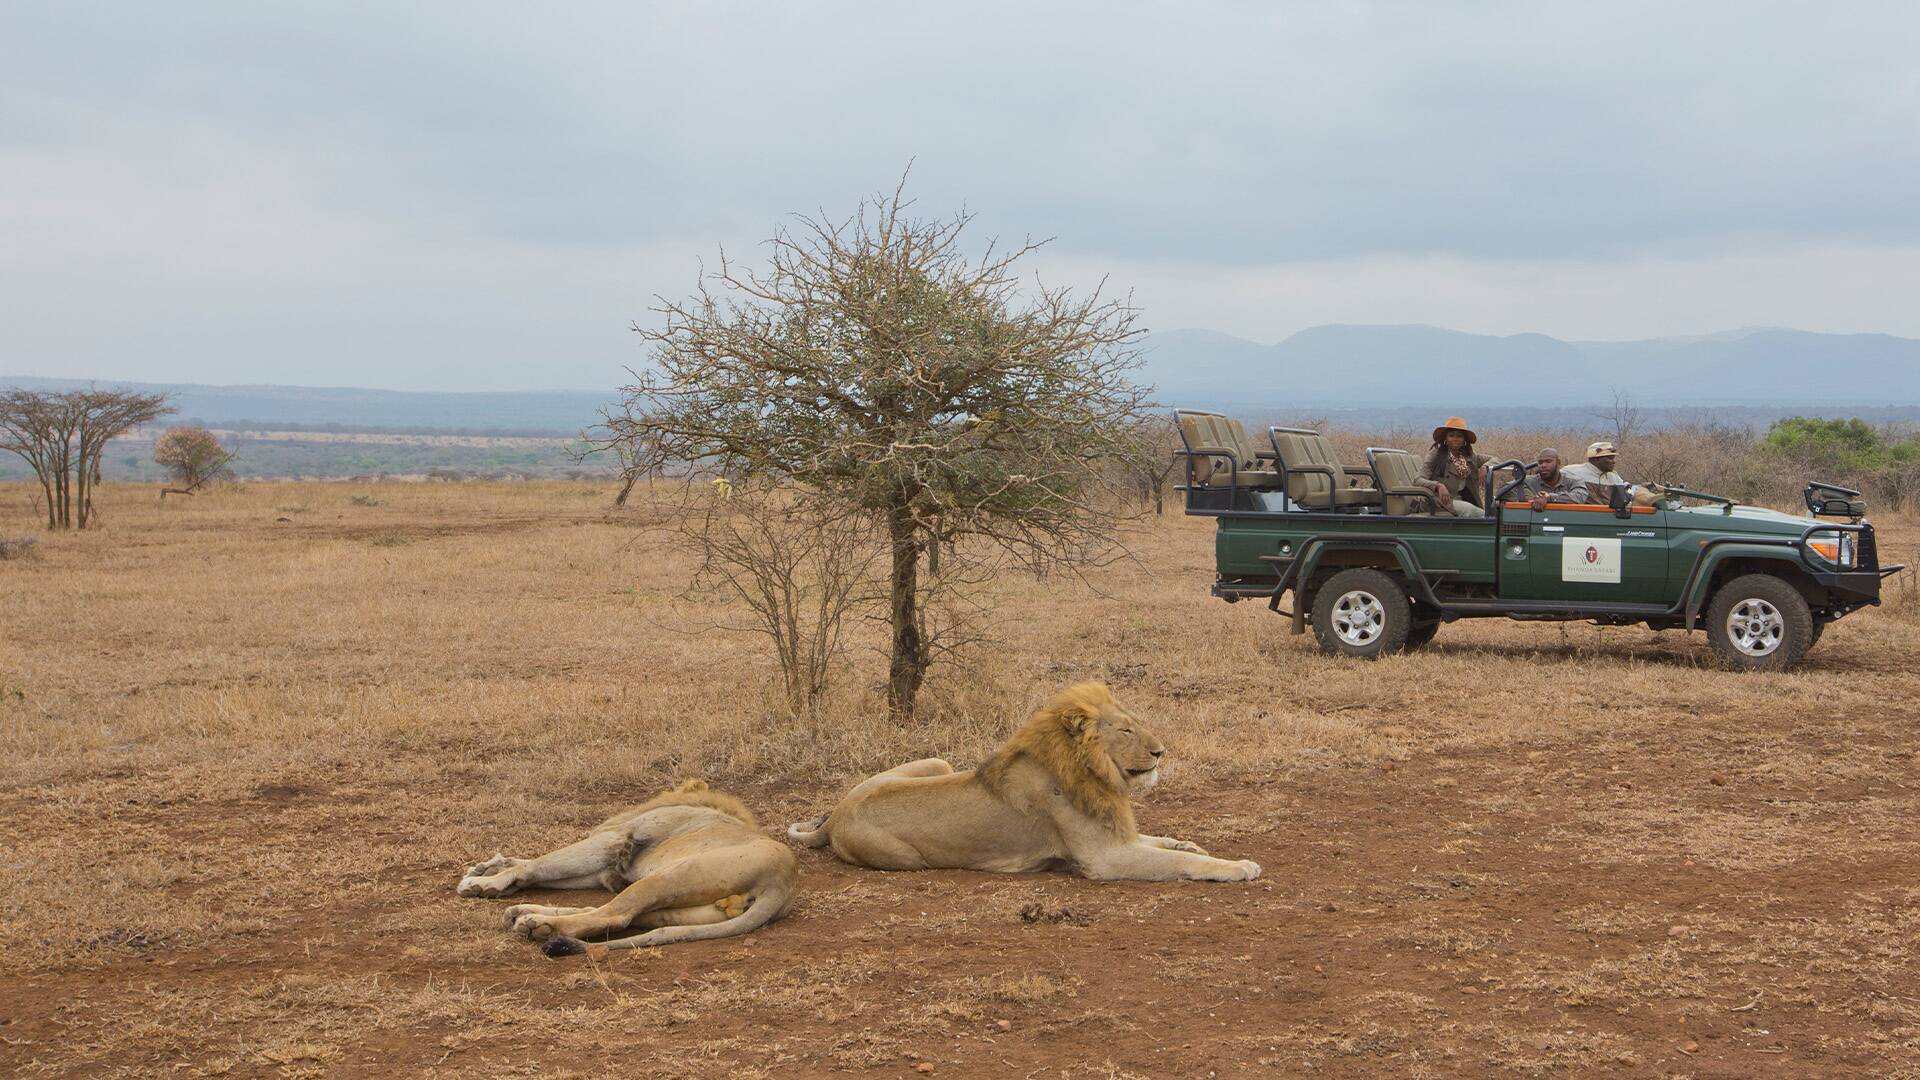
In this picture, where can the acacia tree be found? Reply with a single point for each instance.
(880, 371)
(192, 456)
(63, 435)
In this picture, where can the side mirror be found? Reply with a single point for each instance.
(1619, 500)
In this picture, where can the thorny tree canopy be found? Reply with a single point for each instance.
(880, 369)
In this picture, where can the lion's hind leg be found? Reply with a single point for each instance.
(688, 887)
(761, 909)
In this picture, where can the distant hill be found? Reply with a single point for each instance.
(1327, 368)
(518, 412)
(1368, 377)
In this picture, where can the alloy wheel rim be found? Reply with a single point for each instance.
(1358, 617)
(1755, 627)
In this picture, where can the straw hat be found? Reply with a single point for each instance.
(1603, 448)
(1455, 423)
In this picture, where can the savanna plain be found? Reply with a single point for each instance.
(252, 739)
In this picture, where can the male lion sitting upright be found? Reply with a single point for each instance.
(1054, 796)
(687, 865)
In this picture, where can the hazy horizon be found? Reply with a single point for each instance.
(472, 197)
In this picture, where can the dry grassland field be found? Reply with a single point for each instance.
(253, 738)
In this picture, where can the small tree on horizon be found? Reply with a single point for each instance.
(880, 371)
(192, 457)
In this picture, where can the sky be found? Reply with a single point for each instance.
(481, 196)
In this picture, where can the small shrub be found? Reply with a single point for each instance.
(364, 500)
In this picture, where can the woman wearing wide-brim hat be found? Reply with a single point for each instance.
(1452, 470)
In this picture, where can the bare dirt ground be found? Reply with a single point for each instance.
(252, 739)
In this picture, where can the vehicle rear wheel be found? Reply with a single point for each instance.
(1361, 612)
(1759, 623)
(1422, 632)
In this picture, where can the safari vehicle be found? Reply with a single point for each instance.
(1375, 571)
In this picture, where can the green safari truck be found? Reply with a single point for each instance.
(1374, 571)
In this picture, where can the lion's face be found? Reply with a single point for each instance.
(1134, 749)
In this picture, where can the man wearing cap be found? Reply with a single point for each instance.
(1452, 471)
(1549, 483)
(1597, 474)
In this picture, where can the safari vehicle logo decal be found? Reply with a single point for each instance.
(1591, 560)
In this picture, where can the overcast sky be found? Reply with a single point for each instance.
(481, 196)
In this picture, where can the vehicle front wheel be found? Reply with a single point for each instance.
(1759, 623)
(1361, 612)
(1422, 632)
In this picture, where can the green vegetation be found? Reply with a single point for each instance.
(1843, 447)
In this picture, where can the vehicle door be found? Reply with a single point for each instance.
(1576, 552)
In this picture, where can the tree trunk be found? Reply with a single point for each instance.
(82, 491)
(46, 485)
(626, 487)
(908, 665)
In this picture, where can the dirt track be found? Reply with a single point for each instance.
(234, 844)
(1436, 918)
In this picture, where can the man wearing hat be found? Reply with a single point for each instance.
(1597, 474)
(1452, 471)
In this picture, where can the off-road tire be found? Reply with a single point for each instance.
(1422, 632)
(1361, 612)
(1757, 622)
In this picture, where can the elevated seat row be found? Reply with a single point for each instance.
(1300, 464)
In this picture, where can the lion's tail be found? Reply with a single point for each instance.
(809, 833)
(761, 910)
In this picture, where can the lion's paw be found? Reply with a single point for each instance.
(494, 865)
(1249, 870)
(1186, 846)
(533, 926)
(485, 885)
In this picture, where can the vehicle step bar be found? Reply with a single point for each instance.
(1453, 609)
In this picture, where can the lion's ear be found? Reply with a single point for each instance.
(1078, 719)
(692, 785)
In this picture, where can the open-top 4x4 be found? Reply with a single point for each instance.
(1375, 571)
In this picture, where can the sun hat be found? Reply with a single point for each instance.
(1455, 423)
(1601, 449)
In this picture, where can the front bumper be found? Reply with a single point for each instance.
(1852, 588)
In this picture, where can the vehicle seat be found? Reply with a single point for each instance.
(1397, 473)
(1219, 445)
(1314, 477)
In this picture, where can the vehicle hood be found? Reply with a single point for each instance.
(1746, 519)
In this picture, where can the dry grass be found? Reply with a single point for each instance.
(252, 736)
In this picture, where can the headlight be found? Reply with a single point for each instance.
(1837, 550)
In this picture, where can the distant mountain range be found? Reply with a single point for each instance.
(1343, 367)
(1360, 376)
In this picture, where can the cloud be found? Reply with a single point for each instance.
(1834, 288)
(474, 191)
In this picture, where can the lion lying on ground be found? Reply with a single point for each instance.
(1055, 796)
(688, 865)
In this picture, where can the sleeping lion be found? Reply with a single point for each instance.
(689, 864)
(1055, 796)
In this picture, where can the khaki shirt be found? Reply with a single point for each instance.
(1596, 482)
(1564, 489)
